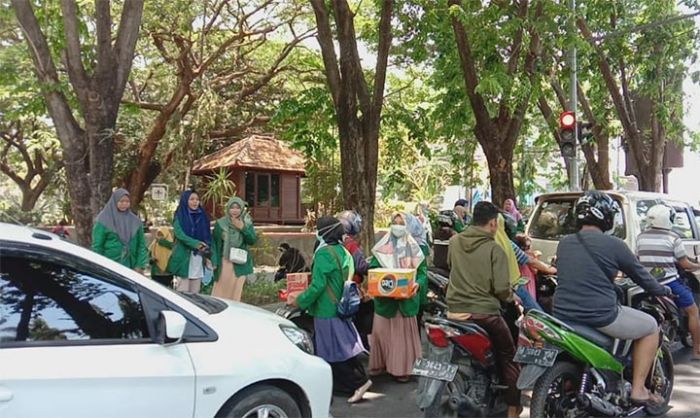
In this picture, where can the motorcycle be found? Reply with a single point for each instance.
(437, 290)
(458, 375)
(577, 371)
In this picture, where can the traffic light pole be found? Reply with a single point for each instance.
(573, 161)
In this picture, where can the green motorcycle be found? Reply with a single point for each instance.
(577, 371)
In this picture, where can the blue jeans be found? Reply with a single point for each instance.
(528, 301)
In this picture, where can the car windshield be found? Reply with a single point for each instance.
(555, 219)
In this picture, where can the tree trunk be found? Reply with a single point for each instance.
(500, 162)
(88, 152)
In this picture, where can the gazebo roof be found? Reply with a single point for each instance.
(262, 152)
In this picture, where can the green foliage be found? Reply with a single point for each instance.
(219, 188)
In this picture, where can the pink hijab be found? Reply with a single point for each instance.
(513, 211)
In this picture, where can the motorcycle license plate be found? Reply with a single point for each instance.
(544, 357)
(434, 369)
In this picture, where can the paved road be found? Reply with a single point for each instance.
(389, 399)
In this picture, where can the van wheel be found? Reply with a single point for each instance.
(261, 401)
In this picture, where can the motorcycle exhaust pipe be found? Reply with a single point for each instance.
(596, 405)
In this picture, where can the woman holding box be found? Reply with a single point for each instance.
(336, 339)
(395, 339)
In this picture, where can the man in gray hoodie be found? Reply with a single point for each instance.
(479, 282)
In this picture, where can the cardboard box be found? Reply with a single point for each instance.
(297, 282)
(391, 283)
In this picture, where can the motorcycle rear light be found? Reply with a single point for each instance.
(478, 345)
(437, 337)
(536, 328)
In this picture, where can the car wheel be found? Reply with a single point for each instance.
(261, 401)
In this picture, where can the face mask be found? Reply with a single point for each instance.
(398, 230)
(319, 237)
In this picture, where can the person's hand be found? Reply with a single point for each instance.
(209, 264)
(414, 289)
(139, 271)
(237, 223)
(668, 291)
(292, 299)
(517, 299)
(552, 270)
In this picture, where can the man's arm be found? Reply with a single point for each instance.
(688, 265)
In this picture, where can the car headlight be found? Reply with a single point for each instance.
(299, 338)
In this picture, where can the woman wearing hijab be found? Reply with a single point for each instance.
(118, 233)
(337, 340)
(510, 208)
(395, 339)
(192, 238)
(233, 231)
(161, 249)
(352, 225)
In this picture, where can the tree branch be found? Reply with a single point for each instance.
(237, 130)
(72, 54)
(325, 41)
(382, 62)
(127, 35)
(144, 105)
(471, 79)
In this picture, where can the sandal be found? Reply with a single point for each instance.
(402, 379)
(653, 401)
(360, 392)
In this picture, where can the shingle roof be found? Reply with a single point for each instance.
(256, 152)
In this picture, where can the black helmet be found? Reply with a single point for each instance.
(511, 226)
(597, 209)
(447, 218)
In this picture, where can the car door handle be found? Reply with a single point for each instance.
(5, 394)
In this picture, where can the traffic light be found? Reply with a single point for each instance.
(585, 131)
(567, 133)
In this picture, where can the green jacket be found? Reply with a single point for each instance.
(325, 272)
(459, 225)
(388, 307)
(107, 243)
(479, 276)
(179, 263)
(217, 248)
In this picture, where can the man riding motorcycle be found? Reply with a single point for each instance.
(659, 249)
(588, 263)
(479, 283)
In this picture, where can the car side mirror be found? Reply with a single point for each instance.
(170, 328)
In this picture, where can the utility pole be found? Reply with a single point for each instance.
(574, 185)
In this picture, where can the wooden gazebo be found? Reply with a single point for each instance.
(267, 174)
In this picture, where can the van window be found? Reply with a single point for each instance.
(555, 219)
(682, 224)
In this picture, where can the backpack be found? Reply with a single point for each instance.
(349, 302)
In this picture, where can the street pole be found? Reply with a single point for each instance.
(573, 161)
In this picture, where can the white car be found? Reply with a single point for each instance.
(83, 336)
(553, 219)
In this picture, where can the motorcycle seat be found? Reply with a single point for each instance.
(593, 335)
(464, 326)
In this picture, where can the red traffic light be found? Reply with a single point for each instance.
(567, 120)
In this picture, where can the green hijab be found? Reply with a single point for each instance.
(233, 238)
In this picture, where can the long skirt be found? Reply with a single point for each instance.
(338, 342)
(395, 344)
(228, 286)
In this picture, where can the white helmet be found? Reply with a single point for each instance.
(661, 216)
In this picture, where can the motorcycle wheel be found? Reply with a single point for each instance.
(661, 380)
(687, 340)
(442, 407)
(555, 391)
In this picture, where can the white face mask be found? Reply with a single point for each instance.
(398, 230)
